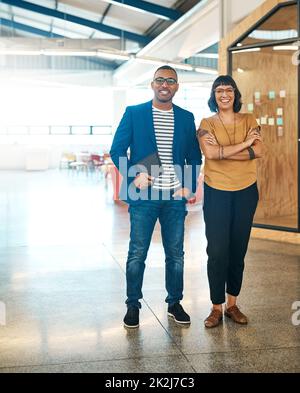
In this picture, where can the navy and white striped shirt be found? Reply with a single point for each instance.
(164, 132)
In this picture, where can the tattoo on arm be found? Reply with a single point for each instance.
(201, 133)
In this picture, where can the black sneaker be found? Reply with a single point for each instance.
(177, 312)
(131, 319)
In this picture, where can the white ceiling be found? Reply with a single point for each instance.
(117, 16)
(199, 28)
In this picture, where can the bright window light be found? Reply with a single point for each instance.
(60, 130)
(39, 130)
(19, 130)
(102, 130)
(81, 130)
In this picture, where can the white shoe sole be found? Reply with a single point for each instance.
(181, 322)
(131, 327)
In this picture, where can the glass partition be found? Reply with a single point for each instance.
(268, 77)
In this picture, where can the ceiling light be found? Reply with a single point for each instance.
(20, 52)
(47, 52)
(158, 62)
(149, 61)
(185, 67)
(286, 47)
(207, 55)
(247, 50)
(203, 70)
(113, 56)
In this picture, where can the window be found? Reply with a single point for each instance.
(101, 130)
(60, 130)
(18, 130)
(80, 130)
(39, 130)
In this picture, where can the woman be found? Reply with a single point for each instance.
(231, 143)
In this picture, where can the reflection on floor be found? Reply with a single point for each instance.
(63, 246)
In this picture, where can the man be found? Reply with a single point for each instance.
(157, 128)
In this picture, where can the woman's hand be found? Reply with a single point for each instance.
(255, 129)
(252, 136)
(211, 139)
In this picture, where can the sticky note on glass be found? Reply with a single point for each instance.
(272, 95)
(280, 131)
(250, 107)
(279, 111)
(282, 93)
(263, 121)
(271, 121)
(279, 121)
(257, 95)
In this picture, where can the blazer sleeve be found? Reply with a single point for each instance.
(193, 158)
(121, 142)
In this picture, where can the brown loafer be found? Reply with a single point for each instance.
(236, 315)
(214, 319)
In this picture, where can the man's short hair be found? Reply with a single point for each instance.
(167, 67)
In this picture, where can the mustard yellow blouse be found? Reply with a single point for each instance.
(229, 175)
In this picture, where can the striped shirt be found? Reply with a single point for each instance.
(164, 132)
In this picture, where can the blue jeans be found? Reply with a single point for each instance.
(171, 215)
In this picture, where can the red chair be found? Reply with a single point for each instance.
(97, 161)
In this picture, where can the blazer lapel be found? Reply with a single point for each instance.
(176, 137)
(149, 123)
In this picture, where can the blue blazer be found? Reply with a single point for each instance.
(136, 132)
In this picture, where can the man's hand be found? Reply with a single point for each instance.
(143, 181)
(182, 193)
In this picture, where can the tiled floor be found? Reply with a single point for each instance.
(63, 246)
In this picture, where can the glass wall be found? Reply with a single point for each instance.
(267, 75)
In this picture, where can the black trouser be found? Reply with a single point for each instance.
(228, 217)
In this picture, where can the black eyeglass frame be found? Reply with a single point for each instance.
(160, 81)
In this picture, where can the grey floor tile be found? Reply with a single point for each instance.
(240, 361)
(80, 327)
(63, 250)
(163, 364)
(269, 327)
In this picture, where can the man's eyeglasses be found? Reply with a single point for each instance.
(161, 81)
(229, 91)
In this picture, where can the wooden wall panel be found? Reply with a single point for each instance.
(278, 177)
(267, 71)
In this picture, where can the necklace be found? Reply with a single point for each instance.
(227, 130)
